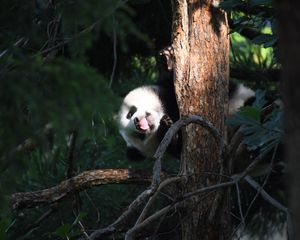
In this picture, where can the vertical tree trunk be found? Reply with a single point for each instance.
(290, 55)
(201, 72)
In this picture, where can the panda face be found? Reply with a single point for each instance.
(141, 112)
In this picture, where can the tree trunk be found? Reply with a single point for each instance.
(201, 72)
(290, 55)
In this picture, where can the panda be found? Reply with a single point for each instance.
(147, 112)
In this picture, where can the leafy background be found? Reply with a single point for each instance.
(58, 78)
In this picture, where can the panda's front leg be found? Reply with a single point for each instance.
(134, 154)
(164, 125)
(175, 146)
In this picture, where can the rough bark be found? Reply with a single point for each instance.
(75, 184)
(290, 55)
(201, 71)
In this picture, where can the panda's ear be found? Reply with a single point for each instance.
(134, 155)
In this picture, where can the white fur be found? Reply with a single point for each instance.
(148, 103)
(239, 98)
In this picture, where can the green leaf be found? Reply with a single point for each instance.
(260, 100)
(239, 119)
(63, 230)
(251, 112)
(79, 217)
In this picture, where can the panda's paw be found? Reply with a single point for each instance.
(164, 125)
(166, 121)
(166, 58)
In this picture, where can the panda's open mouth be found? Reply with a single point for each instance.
(143, 125)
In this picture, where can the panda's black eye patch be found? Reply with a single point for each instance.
(132, 110)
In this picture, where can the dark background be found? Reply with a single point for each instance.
(64, 68)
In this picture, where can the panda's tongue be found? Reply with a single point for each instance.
(143, 123)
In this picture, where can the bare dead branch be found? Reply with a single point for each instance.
(240, 204)
(109, 176)
(210, 188)
(265, 195)
(273, 202)
(75, 184)
(123, 220)
(21, 42)
(82, 228)
(132, 211)
(250, 167)
(86, 30)
(154, 196)
(130, 235)
(182, 122)
(235, 179)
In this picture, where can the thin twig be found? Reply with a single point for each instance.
(83, 230)
(154, 196)
(18, 43)
(235, 179)
(86, 30)
(130, 235)
(265, 195)
(249, 169)
(273, 202)
(123, 220)
(94, 206)
(112, 76)
(240, 204)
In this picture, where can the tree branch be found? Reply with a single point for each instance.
(182, 122)
(75, 184)
(265, 195)
(123, 220)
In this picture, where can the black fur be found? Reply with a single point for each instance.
(134, 154)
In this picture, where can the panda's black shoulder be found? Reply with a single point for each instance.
(166, 93)
(134, 154)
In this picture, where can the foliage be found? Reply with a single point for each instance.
(263, 133)
(56, 65)
(254, 38)
(254, 62)
(49, 91)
